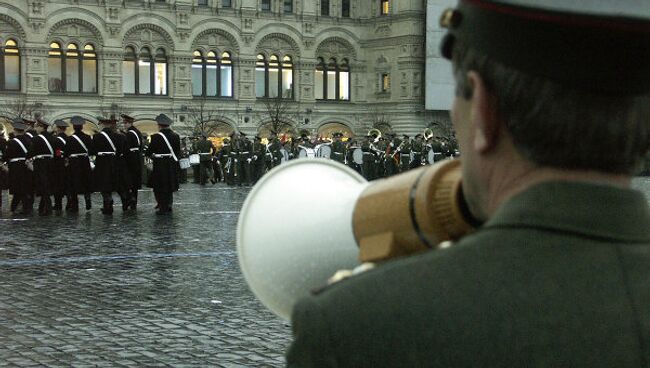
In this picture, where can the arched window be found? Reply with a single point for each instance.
(144, 73)
(332, 80)
(274, 78)
(72, 70)
(212, 76)
(10, 66)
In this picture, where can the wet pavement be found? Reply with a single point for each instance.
(135, 290)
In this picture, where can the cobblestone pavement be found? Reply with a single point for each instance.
(133, 290)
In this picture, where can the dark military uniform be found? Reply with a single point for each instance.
(259, 152)
(58, 171)
(404, 155)
(204, 149)
(79, 174)
(368, 167)
(4, 178)
(246, 160)
(134, 163)
(20, 178)
(417, 154)
(553, 279)
(338, 151)
(110, 172)
(164, 178)
(41, 153)
(273, 154)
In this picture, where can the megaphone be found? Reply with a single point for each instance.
(307, 219)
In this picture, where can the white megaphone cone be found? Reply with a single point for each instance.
(295, 230)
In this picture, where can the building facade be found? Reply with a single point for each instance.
(349, 65)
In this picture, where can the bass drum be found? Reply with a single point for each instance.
(184, 163)
(195, 159)
(306, 153)
(357, 156)
(431, 157)
(285, 155)
(324, 151)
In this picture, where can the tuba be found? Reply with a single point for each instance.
(428, 133)
(375, 131)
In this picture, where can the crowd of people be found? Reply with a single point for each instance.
(243, 162)
(40, 160)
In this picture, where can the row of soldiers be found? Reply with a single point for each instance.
(244, 162)
(38, 163)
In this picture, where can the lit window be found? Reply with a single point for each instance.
(10, 66)
(274, 78)
(332, 80)
(385, 82)
(385, 7)
(72, 70)
(212, 76)
(144, 73)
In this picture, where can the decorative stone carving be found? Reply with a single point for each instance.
(335, 47)
(9, 26)
(151, 34)
(75, 28)
(216, 39)
(278, 43)
(383, 30)
(248, 23)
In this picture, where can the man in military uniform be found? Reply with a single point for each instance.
(245, 160)
(551, 114)
(164, 149)
(3, 165)
(205, 150)
(390, 157)
(110, 172)
(40, 155)
(57, 169)
(258, 151)
(79, 170)
(273, 154)
(368, 166)
(134, 160)
(404, 152)
(20, 180)
(417, 152)
(338, 148)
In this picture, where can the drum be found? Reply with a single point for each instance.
(307, 153)
(285, 155)
(195, 159)
(184, 163)
(357, 156)
(324, 151)
(431, 157)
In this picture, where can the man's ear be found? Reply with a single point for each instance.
(482, 115)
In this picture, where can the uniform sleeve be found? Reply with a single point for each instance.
(311, 345)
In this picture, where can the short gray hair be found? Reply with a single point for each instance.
(557, 126)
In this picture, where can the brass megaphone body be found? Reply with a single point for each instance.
(307, 219)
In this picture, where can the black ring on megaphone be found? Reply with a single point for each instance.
(414, 221)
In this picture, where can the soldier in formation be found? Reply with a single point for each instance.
(164, 150)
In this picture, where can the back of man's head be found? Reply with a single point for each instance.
(568, 111)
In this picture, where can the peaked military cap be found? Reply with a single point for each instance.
(28, 122)
(18, 124)
(127, 118)
(60, 123)
(163, 119)
(103, 120)
(77, 120)
(592, 45)
(42, 122)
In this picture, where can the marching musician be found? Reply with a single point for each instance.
(404, 152)
(41, 153)
(259, 152)
(20, 177)
(338, 148)
(417, 152)
(134, 159)
(58, 170)
(164, 150)
(79, 170)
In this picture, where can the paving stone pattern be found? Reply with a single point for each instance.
(135, 290)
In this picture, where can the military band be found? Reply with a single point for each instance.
(36, 163)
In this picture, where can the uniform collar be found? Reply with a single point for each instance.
(594, 210)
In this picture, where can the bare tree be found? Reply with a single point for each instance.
(279, 112)
(22, 107)
(443, 128)
(380, 120)
(204, 117)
